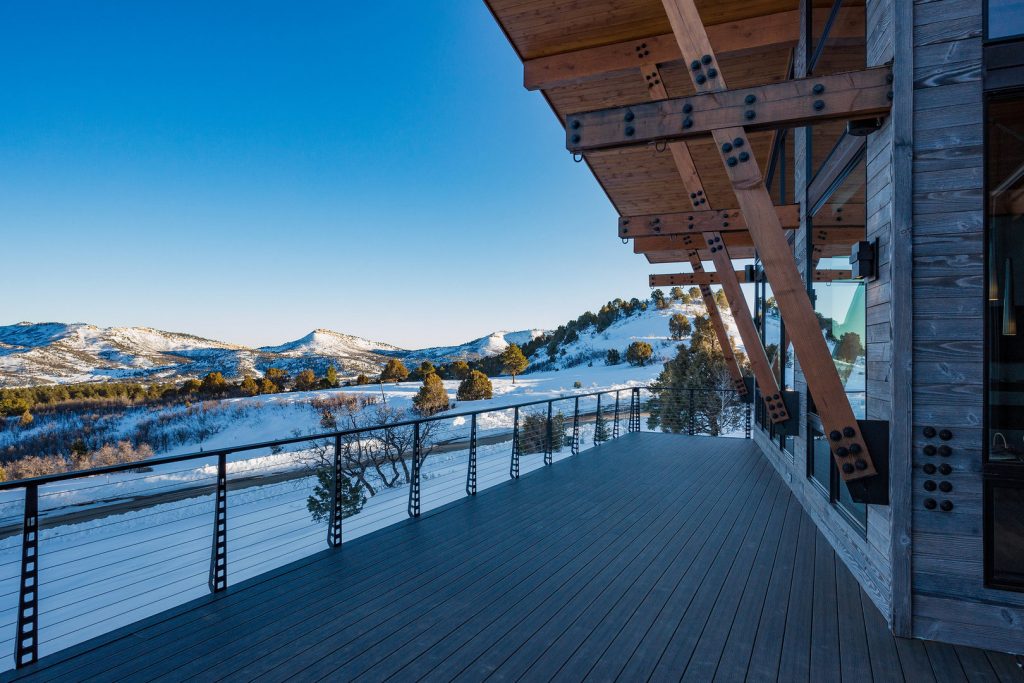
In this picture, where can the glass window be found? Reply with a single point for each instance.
(1005, 18)
(820, 462)
(1004, 469)
(1005, 179)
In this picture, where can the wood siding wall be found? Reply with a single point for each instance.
(950, 601)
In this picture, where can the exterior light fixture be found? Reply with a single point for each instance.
(864, 260)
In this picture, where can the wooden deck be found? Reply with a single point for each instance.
(653, 557)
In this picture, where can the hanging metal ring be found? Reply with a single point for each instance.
(577, 157)
(625, 241)
(660, 146)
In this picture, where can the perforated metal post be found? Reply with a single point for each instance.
(414, 484)
(334, 526)
(550, 437)
(691, 428)
(471, 472)
(634, 410)
(513, 470)
(598, 436)
(746, 420)
(576, 427)
(219, 553)
(27, 640)
(615, 420)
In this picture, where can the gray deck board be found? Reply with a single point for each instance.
(652, 557)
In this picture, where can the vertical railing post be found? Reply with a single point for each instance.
(27, 639)
(634, 410)
(615, 419)
(218, 580)
(598, 436)
(550, 437)
(513, 469)
(471, 473)
(337, 513)
(576, 427)
(414, 483)
(746, 420)
(691, 428)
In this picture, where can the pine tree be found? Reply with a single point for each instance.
(614, 357)
(278, 376)
(677, 293)
(331, 377)
(638, 353)
(477, 386)
(351, 495)
(432, 397)
(362, 380)
(305, 381)
(395, 371)
(658, 297)
(249, 387)
(213, 384)
(694, 293)
(513, 362)
(26, 420)
(268, 387)
(679, 326)
(459, 370)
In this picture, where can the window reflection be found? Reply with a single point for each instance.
(1005, 18)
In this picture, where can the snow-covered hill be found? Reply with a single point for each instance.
(491, 345)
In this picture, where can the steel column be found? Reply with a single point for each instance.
(218, 580)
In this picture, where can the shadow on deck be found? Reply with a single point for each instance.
(651, 557)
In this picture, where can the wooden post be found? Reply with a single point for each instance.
(848, 447)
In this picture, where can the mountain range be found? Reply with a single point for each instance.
(59, 353)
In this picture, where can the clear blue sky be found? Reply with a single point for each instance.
(249, 171)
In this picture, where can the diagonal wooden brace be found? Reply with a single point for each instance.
(847, 443)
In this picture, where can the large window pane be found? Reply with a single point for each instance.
(1005, 18)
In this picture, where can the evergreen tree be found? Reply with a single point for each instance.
(513, 362)
(362, 379)
(190, 386)
(26, 420)
(679, 326)
(395, 371)
(425, 368)
(694, 293)
(458, 370)
(721, 300)
(638, 353)
(432, 397)
(477, 386)
(351, 495)
(677, 293)
(213, 384)
(849, 348)
(614, 357)
(268, 387)
(305, 381)
(249, 387)
(658, 297)
(278, 376)
(331, 377)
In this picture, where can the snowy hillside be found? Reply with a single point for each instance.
(491, 345)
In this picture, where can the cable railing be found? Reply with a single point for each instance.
(84, 553)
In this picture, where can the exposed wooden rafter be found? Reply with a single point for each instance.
(697, 222)
(844, 96)
(733, 38)
(714, 278)
(845, 439)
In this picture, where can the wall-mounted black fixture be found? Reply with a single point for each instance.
(864, 260)
(863, 127)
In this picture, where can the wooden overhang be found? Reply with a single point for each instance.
(675, 106)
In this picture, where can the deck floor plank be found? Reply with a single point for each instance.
(651, 557)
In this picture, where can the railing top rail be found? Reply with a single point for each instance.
(217, 452)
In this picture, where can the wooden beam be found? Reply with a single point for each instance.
(735, 374)
(734, 38)
(696, 222)
(851, 95)
(841, 428)
(847, 152)
(830, 241)
(713, 278)
(762, 368)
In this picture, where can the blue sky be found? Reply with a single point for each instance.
(250, 171)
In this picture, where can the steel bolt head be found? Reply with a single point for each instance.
(687, 122)
(944, 469)
(712, 72)
(750, 99)
(706, 59)
(687, 108)
(849, 432)
(835, 435)
(630, 116)
(695, 65)
(946, 506)
(930, 503)
(945, 451)
(575, 124)
(738, 142)
(860, 465)
(701, 79)
(929, 485)
(819, 105)
(744, 156)
(945, 487)
(726, 147)
(842, 451)
(575, 138)
(945, 435)
(930, 450)
(929, 432)
(929, 468)
(818, 89)
(749, 115)
(630, 130)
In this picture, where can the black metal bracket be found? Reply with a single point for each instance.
(414, 483)
(748, 382)
(334, 526)
(471, 473)
(873, 490)
(790, 427)
(218, 580)
(27, 640)
(864, 260)
(513, 470)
